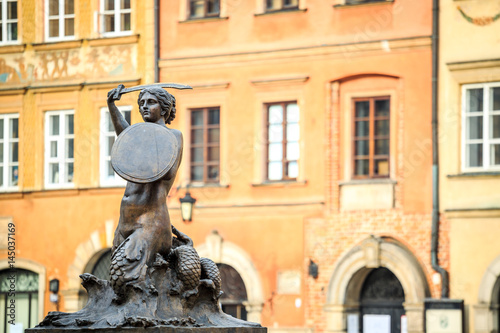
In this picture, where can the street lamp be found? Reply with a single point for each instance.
(313, 269)
(187, 204)
(54, 290)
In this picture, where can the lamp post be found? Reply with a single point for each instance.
(187, 203)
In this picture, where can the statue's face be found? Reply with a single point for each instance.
(150, 109)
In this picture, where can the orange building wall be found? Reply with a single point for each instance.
(244, 60)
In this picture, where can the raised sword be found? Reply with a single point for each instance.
(122, 90)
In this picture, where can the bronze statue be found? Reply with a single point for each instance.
(144, 227)
(157, 279)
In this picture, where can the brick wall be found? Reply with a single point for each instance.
(327, 239)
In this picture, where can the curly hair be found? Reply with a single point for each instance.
(166, 100)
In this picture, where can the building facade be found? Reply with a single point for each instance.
(307, 144)
(469, 104)
(58, 60)
(320, 158)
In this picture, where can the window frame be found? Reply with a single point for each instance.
(282, 6)
(4, 23)
(60, 159)
(371, 138)
(205, 10)
(117, 11)
(486, 141)
(61, 17)
(284, 160)
(5, 142)
(206, 145)
(104, 180)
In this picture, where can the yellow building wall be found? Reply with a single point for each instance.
(469, 200)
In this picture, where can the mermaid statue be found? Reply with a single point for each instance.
(156, 276)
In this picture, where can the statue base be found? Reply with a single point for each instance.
(157, 329)
(158, 304)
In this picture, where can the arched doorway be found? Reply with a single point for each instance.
(235, 294)
(487, 309)
(26, 298)
(382, 294)
(355, 266)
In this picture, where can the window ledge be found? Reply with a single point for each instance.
(368, 181)
(112, 185)
(12, 48)
(57, 45)
(204, 185)
(282, 183)
(282, 11)
(106, 40)
(205, 19)
(475, 174)
(58, 187)
(13, 189)
(362, 4)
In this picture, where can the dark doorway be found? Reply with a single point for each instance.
(382, 294)
(235, 293)
(26, 298)
(495, 303)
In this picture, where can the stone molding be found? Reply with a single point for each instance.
(353, 268)
(224, 252)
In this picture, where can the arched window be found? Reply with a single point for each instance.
(235, 293)
(26, 289)
(382, 298)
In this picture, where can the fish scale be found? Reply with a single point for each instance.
(116, 276)
(188, 266)
(209, 270)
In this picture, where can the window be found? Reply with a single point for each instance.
(205, 145)
(371, 137)
(283, 134)
(481, 133)
(59, 19)
(9, 151)
(108, 136)
(115, 16)
(8, 21)
(272, 5)
(26, 299)
(204, 8)
(59, 159)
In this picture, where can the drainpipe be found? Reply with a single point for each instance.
(435, 155)
(157, 36)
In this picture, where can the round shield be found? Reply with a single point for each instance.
(144, 152)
